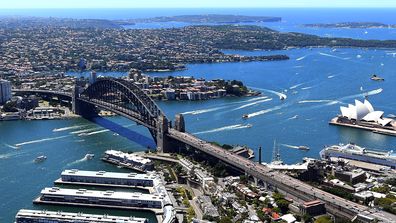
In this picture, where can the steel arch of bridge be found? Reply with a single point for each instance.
(124, 98)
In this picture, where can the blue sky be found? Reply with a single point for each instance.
(193, 3)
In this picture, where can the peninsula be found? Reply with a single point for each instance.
(29, 50)
(208, 18)
(351, 25)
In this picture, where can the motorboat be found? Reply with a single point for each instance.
(374, 77)
(245, 116)
(40, 159)
(303, 148)
(89, 156)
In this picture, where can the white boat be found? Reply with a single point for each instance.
(40, 159)
(89, 156)
(303, 148)
(249, 125)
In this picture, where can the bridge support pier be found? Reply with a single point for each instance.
(163, 141)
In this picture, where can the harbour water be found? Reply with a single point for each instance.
(315, 81)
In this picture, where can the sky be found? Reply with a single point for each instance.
(26, 4)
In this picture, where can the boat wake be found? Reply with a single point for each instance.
(201, 111)
(289, 146)
(301, 58)
(251, 104)
(306, 88)
(281, 95)
(225, 128)
(333, 56)
(294, 117)
(85, 130)
(264, 111)
(85, 158)
(295, 86)
(93, 133)
(12, 154)
(11, 146)
(40, 140)
(69, 128)
(368, 93)
(314, 101)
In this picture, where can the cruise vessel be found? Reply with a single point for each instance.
(355, 152)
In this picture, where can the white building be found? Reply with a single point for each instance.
(364, 112)
(5, 91)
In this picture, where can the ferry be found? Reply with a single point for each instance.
(355, 152)
(40, 159)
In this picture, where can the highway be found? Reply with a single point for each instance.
(334, 204)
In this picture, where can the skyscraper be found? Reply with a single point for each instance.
(5, 91)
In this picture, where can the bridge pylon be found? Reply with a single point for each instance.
(163, 141)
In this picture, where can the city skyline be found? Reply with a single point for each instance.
(26, 4)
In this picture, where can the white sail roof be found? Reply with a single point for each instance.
(345, 112)
(384, 121)
(368, 105)
(361, 110)
(374, 116)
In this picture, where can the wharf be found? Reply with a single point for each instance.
(372, 129)
(154, 210)
(60, 182)
(124, 165)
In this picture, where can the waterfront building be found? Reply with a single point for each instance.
(129, 159)
(100, 198)
(170, 94)
(110, 178)
(40, 216)
(363, 116)
(5, 91)
(364, 112)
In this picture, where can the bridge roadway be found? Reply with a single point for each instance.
(335, 205)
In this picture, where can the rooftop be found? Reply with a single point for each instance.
(101, 194)
(39, 214)
(104, 174)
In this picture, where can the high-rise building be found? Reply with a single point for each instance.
(5, 91)
(92, 77)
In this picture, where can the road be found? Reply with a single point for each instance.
(334, 204)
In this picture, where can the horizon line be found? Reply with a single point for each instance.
(279, 7)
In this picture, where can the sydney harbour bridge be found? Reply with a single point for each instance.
(126, 99)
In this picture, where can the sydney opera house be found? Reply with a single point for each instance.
(362, 115)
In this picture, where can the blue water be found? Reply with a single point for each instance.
(315, 81)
